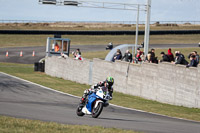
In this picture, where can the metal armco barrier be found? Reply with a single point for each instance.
(45, 32)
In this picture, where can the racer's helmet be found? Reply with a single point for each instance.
(110, 80)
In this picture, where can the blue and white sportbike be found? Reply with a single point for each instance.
(94, 103)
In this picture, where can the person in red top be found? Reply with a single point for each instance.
(171, 56)
(57, 48)
(138, 56)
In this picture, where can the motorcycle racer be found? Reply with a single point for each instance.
(108, 83)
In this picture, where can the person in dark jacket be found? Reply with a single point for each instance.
(164, 57)
(78, 51)
(180, 59)
(196, 56)
(117, 56)
(109, 46)
(127, 56)
(153, 58)
(193, 61)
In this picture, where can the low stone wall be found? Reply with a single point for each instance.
(164, 82)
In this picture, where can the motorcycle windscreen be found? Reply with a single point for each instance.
(91, 99)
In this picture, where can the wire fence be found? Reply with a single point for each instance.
(107, 22)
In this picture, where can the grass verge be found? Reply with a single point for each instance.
(99, 54)
(15, 125)
(40, 40)
(26, 72)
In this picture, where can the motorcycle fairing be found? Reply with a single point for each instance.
(91, 99)
(86, 111)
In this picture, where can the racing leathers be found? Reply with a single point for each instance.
(94, 88)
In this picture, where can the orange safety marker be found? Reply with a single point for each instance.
(21, 54)
(33, 53)
(6, 53)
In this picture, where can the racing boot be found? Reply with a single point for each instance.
(83, 99)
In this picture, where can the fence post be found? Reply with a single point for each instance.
(90, 72)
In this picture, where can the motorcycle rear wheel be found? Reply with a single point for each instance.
(97, 111)
(79, 111)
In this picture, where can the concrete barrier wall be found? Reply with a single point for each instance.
(164, 82)
(69, 69)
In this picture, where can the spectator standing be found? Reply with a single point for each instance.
(56, 47)
(164, 57)
(196, 56)
(127, 56)
(117, 56)
(193, 61)
(180, 59)
(78, 51)
(138, 56)
(142, 57)
(148, 58)
(153, 58)
(176, 56)
(192, 53)
(77, 56)
(171, 56)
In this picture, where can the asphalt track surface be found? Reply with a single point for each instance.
(14, 52)
(22, 99)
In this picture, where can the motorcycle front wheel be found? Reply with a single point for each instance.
(97, 111)
(79, 111)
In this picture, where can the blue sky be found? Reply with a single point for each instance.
(162, 10)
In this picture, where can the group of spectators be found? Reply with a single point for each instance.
(76, 55)
(139, 57)
(179, 58)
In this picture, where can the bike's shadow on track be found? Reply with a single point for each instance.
(118, 119)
